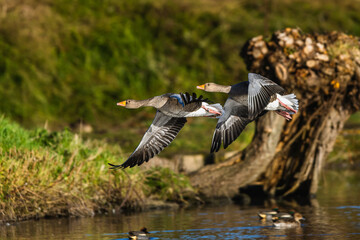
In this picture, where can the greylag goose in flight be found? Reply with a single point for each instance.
(247, 101)
(172, 111)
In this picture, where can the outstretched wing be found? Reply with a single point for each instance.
(260, 91)
(230, 125)
(160, 134)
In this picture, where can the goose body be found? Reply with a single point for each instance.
(246, 102)
(143, 234)
(172, 111)
(289, 222)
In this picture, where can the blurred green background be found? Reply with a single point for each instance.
(68, 62)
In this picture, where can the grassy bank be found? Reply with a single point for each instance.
(59, 174)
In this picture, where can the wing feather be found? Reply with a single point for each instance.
(230, 125)
(160, 134)
(260, 91)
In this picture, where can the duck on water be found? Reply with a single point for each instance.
(172, 111)
(143, 234)
(289, 222)
(247, 101)
(275, 214)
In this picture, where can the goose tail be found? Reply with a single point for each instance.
(217, 109)
(290, 102)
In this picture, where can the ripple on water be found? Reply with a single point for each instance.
(335, 216)
(349, 207)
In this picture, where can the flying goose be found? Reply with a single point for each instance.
(247, 101)
(172, 111)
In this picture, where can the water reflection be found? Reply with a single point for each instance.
(333, 215)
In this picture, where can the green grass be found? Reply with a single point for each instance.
(59, 174)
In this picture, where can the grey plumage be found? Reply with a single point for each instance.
(160, 134)
(260, 90)
(230, 125)
(246, 102)
(170, 118)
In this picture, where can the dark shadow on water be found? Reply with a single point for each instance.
(254, 195)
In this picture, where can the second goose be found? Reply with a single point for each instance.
(247, 101)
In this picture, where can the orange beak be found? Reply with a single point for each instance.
(123, 103)
(202, 87)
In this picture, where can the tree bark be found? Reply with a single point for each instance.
(286, 158)
(224, 179)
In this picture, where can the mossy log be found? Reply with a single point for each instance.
(285, 158)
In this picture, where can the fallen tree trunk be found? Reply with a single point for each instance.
(285, 158)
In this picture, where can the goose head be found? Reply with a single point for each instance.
(213, 87)
(157, 102)
(129, 103)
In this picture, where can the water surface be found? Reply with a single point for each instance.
(335, 214)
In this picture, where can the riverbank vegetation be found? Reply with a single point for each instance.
(65, 64)
(59, 174)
